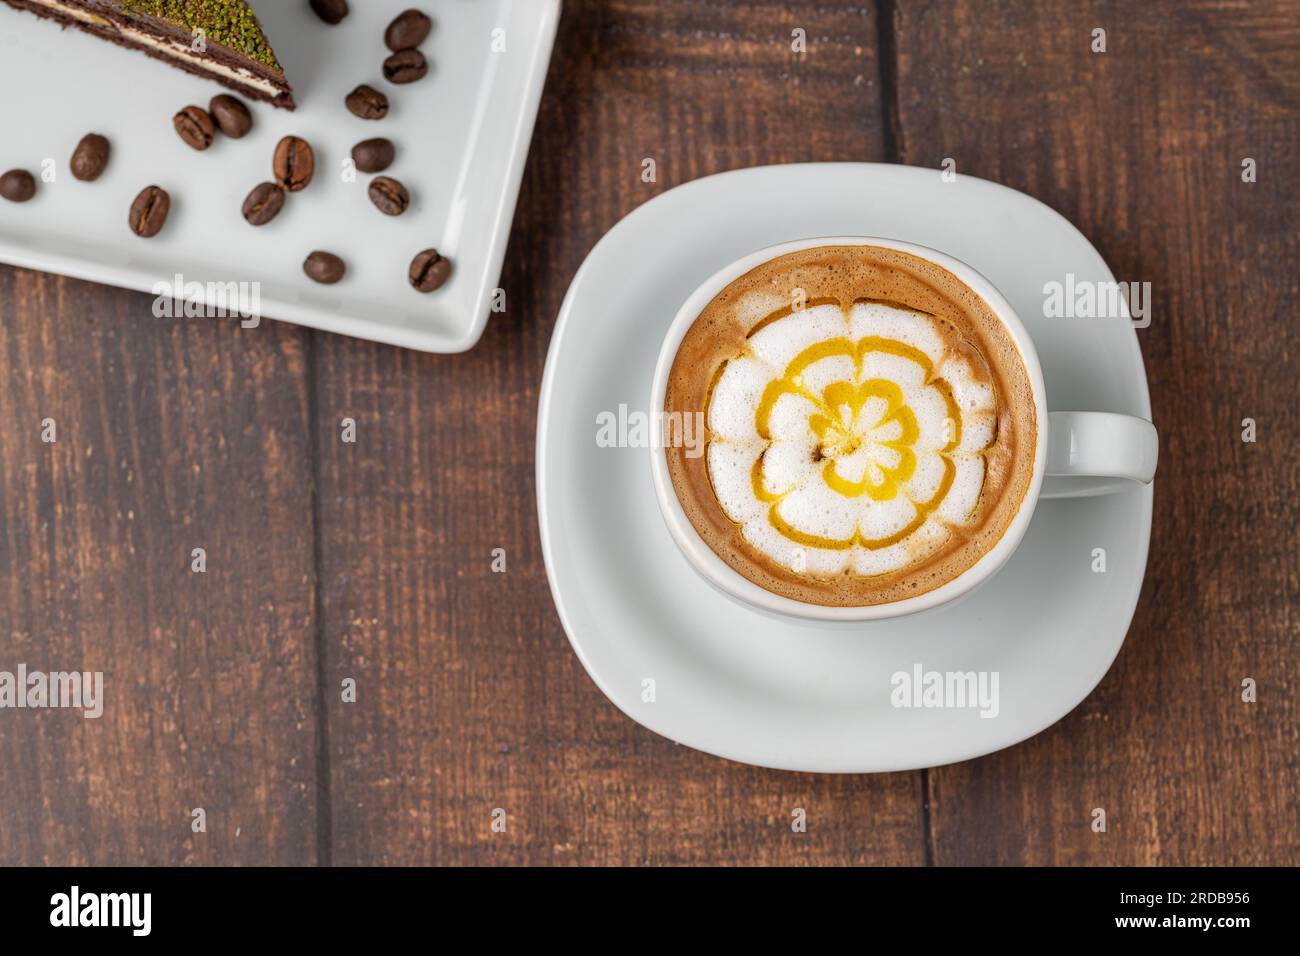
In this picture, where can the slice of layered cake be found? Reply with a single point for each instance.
(218, 39)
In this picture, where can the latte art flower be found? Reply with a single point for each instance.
(849, 442)
(868, 430)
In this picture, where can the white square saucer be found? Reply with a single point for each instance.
(689, 663)
(461, 134)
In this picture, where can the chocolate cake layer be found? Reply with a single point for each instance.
(233, 49)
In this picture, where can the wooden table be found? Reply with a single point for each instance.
(328, 560)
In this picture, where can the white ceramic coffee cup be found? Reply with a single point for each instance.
(1076, 453)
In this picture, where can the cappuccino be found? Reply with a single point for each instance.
(870, 426)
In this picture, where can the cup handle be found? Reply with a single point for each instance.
(1097, 453)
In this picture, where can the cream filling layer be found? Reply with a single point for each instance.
(173, 48)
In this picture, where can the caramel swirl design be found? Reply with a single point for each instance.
(849, 440)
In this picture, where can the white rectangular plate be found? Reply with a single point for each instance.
(461, 133)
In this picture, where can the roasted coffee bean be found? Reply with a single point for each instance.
(389, 196)
(231, 115)
(263, 203)
(373, 155)
(331, 11)
(195, 126)
(17, 185)
(367, 102)
(405, 66)
(429, 270)
(293, 163)
(149, 211)
(407, 31)
(325, 267)
(89, 158)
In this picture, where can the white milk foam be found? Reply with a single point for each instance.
(882, 484)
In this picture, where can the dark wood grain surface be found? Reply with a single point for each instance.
(373, 560)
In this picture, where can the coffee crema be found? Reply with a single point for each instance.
(871, 426)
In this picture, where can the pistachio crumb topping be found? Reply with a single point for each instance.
(230, 23)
